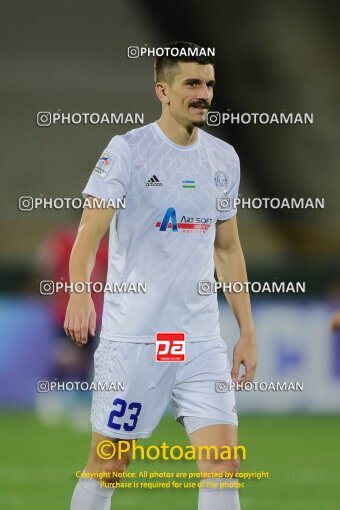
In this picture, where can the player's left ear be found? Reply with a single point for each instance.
(162, 92)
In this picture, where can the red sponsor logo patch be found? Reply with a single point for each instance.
(170, 346)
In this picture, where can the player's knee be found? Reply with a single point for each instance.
(231, 466)
(113, 469)
(109, 469)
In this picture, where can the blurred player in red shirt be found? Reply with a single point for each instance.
(69, 362)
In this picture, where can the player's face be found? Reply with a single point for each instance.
(191, 93)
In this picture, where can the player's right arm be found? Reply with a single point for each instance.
(80, 318)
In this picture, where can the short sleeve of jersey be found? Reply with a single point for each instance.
(111, 176)
(232, 188)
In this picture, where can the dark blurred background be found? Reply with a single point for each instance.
(271, 57)
(71, 56)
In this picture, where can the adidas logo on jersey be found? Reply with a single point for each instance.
(154, 181)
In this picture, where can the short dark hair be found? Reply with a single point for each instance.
(192, 53)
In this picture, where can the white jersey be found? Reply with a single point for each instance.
(162, 241)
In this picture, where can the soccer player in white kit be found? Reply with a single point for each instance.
(170, 235)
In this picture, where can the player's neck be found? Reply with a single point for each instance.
(177, 133)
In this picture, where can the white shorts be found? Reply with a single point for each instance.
(136, 410)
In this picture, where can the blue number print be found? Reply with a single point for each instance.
(133, 416)
(119, 413)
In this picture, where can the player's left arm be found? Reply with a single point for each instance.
(230, 267)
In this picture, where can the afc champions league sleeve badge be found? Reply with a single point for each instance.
(104, 164)
(221, 182)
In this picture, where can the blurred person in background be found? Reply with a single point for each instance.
(69, 362)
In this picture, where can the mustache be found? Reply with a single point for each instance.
(200, 104)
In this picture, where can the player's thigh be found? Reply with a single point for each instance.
(219, 452)
(220, 434)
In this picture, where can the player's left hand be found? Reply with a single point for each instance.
(335, 322)
(245, 354)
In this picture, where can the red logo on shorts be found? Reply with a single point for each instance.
(170, 346)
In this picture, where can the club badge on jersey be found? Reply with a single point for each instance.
(221, 182)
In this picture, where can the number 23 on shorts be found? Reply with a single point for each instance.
(121, 407)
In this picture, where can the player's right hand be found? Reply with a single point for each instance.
(80, 318)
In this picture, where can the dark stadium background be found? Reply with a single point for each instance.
(279, 56)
